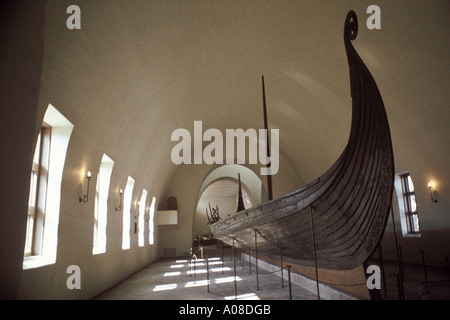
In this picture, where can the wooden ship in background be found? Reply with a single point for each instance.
(337, 220)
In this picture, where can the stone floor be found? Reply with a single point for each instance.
(176, 279)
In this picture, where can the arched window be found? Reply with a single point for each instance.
(406, 195)
(45, 190)
(126, 226)
(141, 218)
(101, 204)
(151, 222)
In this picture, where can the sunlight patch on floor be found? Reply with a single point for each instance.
(227, 279)
(246, 296)
(172, 274)
(163, 287)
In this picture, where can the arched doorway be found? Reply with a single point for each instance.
(220, 190)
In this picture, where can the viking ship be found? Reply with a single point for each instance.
(337, 220)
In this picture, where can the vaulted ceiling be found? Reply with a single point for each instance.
(137, 70)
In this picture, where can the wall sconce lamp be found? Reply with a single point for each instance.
(136, 216)
(120, 200)
(86, 196)
(431, 193)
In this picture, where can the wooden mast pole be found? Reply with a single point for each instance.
(269, 176)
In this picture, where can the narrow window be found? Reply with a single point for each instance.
(151, 222)
(141, 218)
(101, 204)
(126, 218)
(41, 240)
(38, 193)
(407, 205)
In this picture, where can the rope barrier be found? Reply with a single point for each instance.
(405, 253)
(267, 272)
(400, 276)
(411, 255)
(389, 277)
(389, 251)
(412, 279)
(441, 262)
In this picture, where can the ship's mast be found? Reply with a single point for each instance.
(269, 176)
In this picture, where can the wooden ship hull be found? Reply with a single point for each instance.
(336, 221)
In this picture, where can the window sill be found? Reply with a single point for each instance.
(96, 251)
(412, 235)
(33, 262)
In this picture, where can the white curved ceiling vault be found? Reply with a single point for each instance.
(137, 70)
